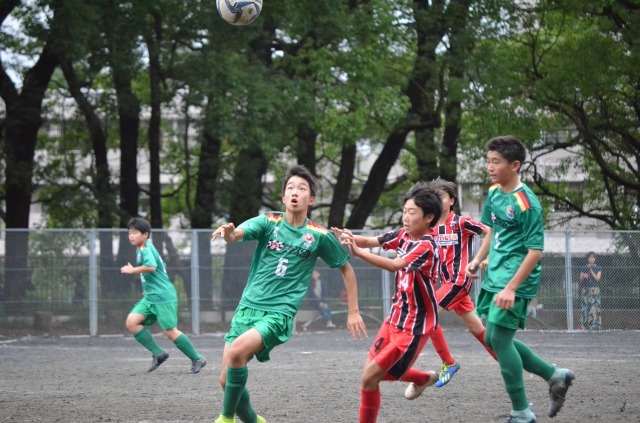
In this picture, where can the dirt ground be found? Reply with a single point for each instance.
(313, 378)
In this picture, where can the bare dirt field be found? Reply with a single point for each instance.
(313, 378)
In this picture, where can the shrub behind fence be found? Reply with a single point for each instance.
(69, 281)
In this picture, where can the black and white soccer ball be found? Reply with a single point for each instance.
(239, 12)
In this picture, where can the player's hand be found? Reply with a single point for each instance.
(484, 264)
(505, 299)
(127, 269)
(224, 231)
(356, 326)
(472, 269)
(345, 236)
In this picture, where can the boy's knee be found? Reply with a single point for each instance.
(237, 356)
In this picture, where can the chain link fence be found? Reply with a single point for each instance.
(68, 282)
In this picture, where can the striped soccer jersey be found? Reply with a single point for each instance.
(455, 239)
(414, 306)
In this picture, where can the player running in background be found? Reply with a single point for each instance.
(286, 252)
(413, 312)
(454, 234)
(160, 301)
(516, 239)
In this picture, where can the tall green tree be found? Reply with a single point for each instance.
(23, 118)
(565, 77)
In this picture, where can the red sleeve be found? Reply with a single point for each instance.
(390, 240)
(470, 226)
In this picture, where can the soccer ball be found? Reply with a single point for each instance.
(239, 12)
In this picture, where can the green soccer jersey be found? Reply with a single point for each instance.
(157, 286)
(516, 222)
(284, 259)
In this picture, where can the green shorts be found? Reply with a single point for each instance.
(165, 314)
(513, 318)
(275, 328)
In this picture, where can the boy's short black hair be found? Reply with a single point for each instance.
(302, 172)
(448, 187)
(140, 224)
(509, 147)
(427, 199)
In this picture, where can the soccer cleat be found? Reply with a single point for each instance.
(158, 359)
(513, 419)
(558, 387)
(225, 419)
(446, 373)
(522, 416)
(413, 391)
(197, 365)
(260, 419)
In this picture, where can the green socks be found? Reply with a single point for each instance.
(234, 389)
(145, 338)
(245, 411)
(184, 344)
(501, 340)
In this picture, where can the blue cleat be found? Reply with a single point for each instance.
(446, 373)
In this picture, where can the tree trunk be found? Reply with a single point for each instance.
(153, 39)
(22, 122)
(102, 178)
(202, 216)
(373, 188)
(307, 147)
(249, 172)
(343, 185)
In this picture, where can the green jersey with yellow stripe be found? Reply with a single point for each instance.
(284, 259)
(516, 222)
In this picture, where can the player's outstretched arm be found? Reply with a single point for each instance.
(229, 232)
(355, 324)
(129, 269)
(360, 241)
(392, 265)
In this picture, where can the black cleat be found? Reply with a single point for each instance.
(558, 388)
(158, 359)
(197, 365)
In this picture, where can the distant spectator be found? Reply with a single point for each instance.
(590, 311)
(318, 298)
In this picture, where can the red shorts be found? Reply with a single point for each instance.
(395, 351)
(454, 297)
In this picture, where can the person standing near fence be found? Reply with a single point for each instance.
(414, 313)
(160, 301)
(590, 311)
(516, 240)
(288, 247)
(318, 297)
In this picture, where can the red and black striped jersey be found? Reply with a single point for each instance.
(455, 239)
(414, 305)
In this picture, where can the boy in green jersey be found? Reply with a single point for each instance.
(515, 239)
(160, 301)
(288, 245)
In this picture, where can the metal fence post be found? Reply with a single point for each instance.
(93, 285)
(568, 282)
(195, 284)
